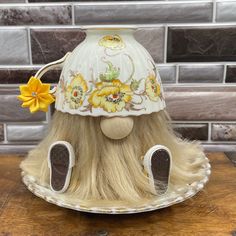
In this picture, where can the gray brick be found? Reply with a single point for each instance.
(219, 147)
(25, 132)
(201, 43)
(35, 15)
(22, 75)
(201, 103)
(16, 149)
(51, 44)
(231, 74)
(1, 132)
(11, 109)
(192, 131)
(223, 132)
(12, 1)
(140, 13)
(201, 73)
(167, 73)
(225, 11)
(153, 40)
(14, 47)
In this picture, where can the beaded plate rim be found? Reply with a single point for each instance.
(192, 190)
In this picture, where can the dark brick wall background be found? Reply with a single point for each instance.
(192, 42)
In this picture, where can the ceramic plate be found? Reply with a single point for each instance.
(170, 198)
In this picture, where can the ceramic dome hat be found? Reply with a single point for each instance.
(118, 78)
(108, 74)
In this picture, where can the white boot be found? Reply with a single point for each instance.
(61, 159)
(157, 164)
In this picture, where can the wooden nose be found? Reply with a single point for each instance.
(117, 127)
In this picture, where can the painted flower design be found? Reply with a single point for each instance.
(112, 42)
(111, 96)
(153, 88)
(75, 92)
(36, 95)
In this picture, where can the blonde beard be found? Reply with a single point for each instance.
(110, 172)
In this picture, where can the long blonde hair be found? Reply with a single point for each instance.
(110, 172)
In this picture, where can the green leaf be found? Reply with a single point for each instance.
(110, 74)
(135, 84)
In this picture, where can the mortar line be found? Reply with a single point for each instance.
(73, 14)
(177, 74)
(219, 63)
(224, 74)
(165, 43)
(5, 133)
(29, 46)
(214, 12)
(48, 115)
(209, 131)
(83, 26)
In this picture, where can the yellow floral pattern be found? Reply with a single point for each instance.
(36, 95)
(111, 96)
(112, 42)
(108, 92)
(153, 88)
(75, 92)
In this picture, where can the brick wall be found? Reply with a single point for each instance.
(192, 42)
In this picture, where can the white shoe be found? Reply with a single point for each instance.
(157, 163)
(61, 159)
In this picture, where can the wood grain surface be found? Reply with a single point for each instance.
(211, 212)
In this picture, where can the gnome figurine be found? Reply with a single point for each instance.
(110, 141)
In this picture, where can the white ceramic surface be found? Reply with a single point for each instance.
(109, 74)
(170, 198)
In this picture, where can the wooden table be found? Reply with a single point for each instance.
(211, 212)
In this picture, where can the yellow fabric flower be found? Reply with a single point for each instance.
(112, 42)
(35, 95)
(153, 88)
(75, 92)
(111, 96)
